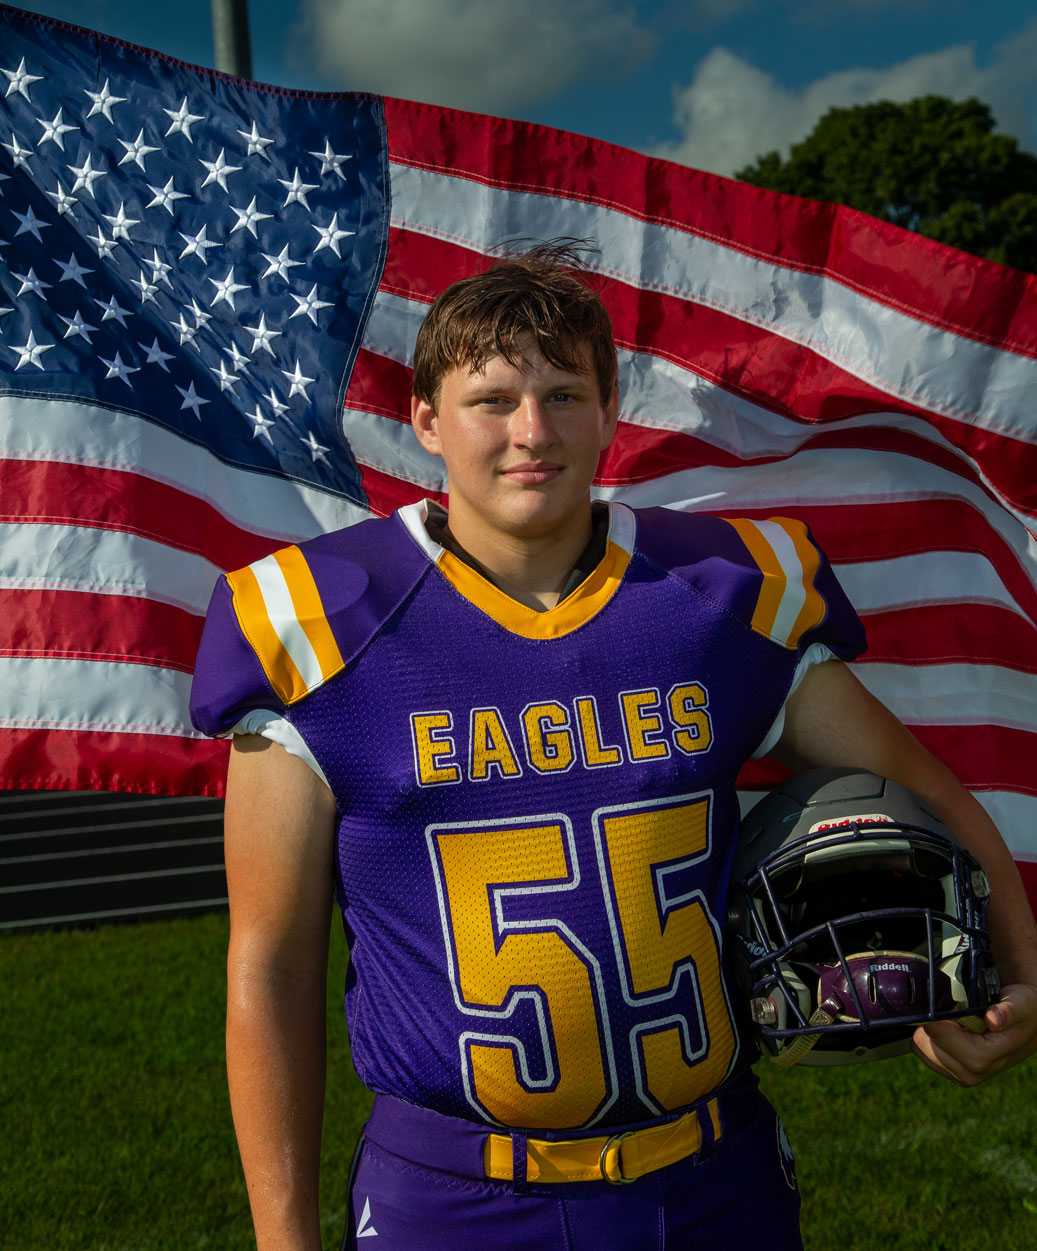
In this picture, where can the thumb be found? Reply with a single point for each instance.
(998, 1016)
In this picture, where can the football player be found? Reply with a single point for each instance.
(506, 735)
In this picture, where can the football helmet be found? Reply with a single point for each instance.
(856, 916)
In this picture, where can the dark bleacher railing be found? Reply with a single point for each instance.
(87, 857)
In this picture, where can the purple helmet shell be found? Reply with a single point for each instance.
(888, 985)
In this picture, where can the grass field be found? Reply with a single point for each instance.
(117, 1134)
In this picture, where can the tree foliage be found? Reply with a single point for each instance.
(933, 165)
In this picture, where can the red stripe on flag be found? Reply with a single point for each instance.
(763, 774)
(639, 453)
(780, 374)
(380, 385)
(967, 634)
(930, 282)
(984, 757)
(59, 493)
(420, 266)
(94, 760)
(77, 625)
(848, 534)
(1028, 872)
(386, 493)
(803, 386)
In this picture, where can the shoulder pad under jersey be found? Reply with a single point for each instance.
(769, 573)
(283, 626)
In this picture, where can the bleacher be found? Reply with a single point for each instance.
(87, 857)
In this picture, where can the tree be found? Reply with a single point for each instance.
(933, 165)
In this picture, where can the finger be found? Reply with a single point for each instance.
(933, 1056)
(956, 1054)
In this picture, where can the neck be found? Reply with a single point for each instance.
(531, 569)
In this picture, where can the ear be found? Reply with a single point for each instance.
(609, 425)
(423, 419)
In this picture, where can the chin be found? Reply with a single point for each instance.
(538, 507)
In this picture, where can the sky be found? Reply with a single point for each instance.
(710, 83)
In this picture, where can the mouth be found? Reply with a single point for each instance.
(532, 472)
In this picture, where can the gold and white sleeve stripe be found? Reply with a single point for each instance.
(280, 612)
(788, 604)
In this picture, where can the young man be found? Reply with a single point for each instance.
(508, 736)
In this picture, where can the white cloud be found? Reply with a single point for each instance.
(486, 55)
(732, 112)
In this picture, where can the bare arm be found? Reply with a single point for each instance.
(831, 720)
(279, 839)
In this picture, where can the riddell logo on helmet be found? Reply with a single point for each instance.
(888, 966)
(842, 823)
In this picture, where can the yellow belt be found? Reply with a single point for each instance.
(615, 1158)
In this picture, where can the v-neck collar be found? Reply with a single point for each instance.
(585, 602)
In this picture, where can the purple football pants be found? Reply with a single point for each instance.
(419, 1187)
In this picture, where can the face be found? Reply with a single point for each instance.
(521, 445)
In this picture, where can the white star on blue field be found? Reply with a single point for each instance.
(201, 252)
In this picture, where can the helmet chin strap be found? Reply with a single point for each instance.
(802, 1046)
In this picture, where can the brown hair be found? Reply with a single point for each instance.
(542, 293)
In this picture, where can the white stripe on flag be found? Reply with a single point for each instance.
(935, 577)
(393, 325)
(106, 562)
(659, 394)
(51, 694)
(390, 446)
(954, 694)
(1015, 814)
(852, 477)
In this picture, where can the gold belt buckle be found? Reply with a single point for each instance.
(615, 1142)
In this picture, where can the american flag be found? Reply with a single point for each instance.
(209, 293)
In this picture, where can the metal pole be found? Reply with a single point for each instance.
(230, 37)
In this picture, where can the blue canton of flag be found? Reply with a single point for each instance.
(187, 247)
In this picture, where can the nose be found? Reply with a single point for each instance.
(532, 426)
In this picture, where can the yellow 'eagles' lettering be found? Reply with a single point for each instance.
(688, 708)
(549, 751)
(490, 745)
(639, 723)
(550, 735)
(594, 754)
(431, 740)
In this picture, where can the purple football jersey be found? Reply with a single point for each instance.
(536, 811)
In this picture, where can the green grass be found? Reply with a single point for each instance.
(117, 1134)
(892, 1157)
(116, 1122)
